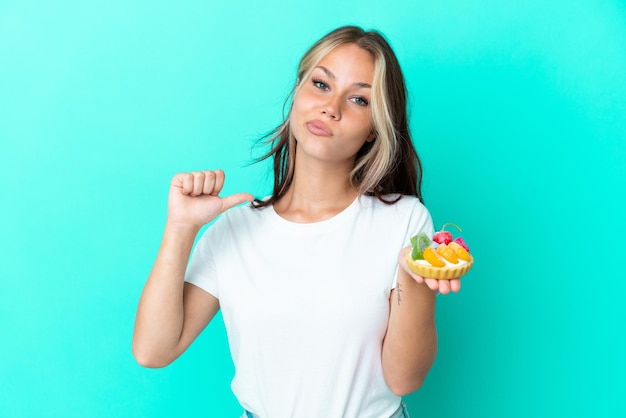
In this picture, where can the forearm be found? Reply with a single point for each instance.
(410, 344)
(160, 314)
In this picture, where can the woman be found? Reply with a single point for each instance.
(322, 315)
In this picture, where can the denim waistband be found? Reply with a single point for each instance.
(402, 412)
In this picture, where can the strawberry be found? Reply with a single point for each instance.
(462, 243)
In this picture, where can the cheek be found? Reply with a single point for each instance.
(302, 97)
(297, 107)
(297, 117)
(366, 127)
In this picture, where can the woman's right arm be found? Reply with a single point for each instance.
(171, 313)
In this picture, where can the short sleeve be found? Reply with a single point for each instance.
(418, 220)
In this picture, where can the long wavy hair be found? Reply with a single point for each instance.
(388, 165)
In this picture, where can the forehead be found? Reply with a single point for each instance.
(350, 61)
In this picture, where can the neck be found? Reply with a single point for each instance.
(317, 192)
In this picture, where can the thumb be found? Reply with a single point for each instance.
(235, 199)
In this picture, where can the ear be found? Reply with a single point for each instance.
(371, 137)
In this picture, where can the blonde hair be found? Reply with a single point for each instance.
(387, 165)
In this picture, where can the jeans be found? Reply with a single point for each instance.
(402, 412)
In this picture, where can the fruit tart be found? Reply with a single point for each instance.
(443, 257)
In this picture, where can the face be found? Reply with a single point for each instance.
(330, 116)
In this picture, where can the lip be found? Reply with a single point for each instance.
(317, 127)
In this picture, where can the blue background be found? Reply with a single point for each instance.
(517, 110)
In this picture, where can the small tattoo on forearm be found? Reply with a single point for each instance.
(399, 292)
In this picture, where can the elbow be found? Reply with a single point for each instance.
(403, 381)
(150, 359)
(405, 387)
(150, 363)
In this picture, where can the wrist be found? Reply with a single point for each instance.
(182, 229)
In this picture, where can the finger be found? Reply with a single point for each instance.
(444, 287)
(235, 199)
(198, 183)
(186, 181)
(218, 184)
(417, 278)
(455, 285)
(433, 284)
(208, 186)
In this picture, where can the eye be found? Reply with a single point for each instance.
(320, 84)
(361, 101)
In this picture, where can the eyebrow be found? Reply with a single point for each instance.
(331, 75)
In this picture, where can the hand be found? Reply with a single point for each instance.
(194, 198)
(443, 286)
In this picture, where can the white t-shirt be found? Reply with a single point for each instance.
(306, 306)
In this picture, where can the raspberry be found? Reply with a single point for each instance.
(462, 243)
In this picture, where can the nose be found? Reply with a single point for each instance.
(332, 108)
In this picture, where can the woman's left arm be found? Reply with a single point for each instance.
(410, 344)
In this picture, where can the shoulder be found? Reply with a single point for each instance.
(235, 220)
(244, 212)
(407, 211)
(402, 204)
